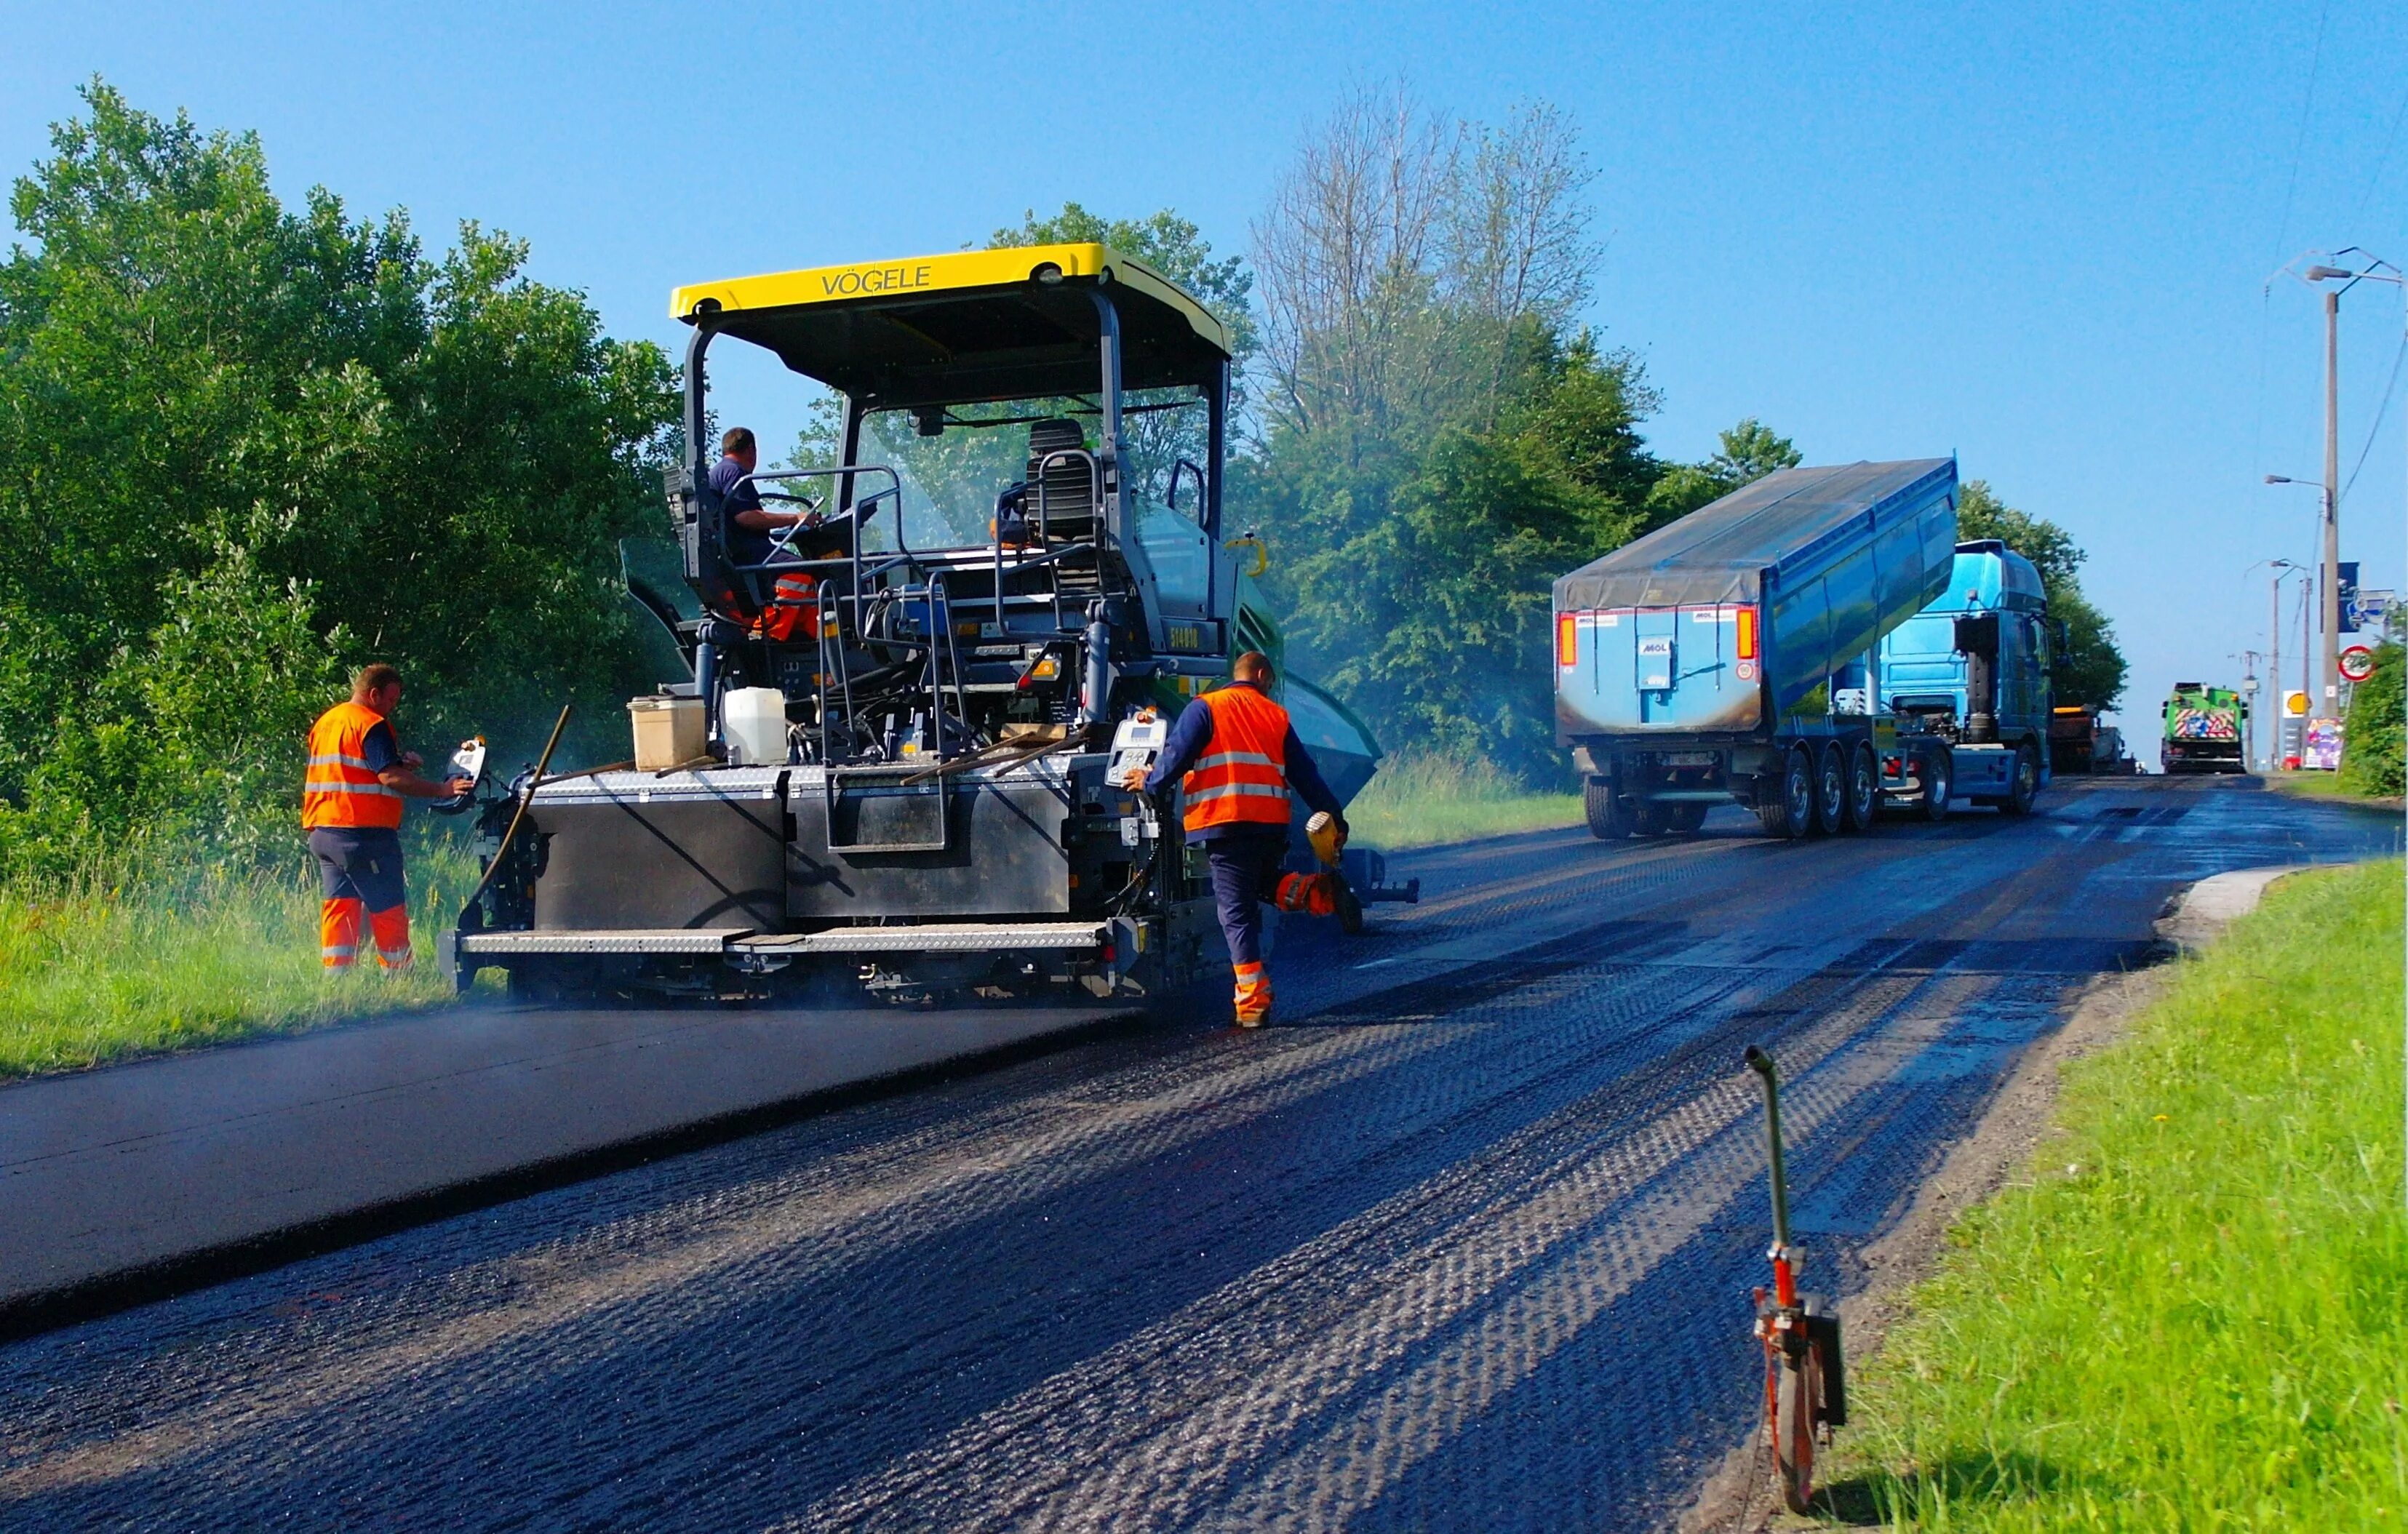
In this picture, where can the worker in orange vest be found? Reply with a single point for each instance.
(1238, 758)
(350, 806)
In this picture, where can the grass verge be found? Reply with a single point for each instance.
(1420, 801)
(2189, 1317)
(2322, 786)
(91, 971)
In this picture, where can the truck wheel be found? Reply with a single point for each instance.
(1607, 820)
(1790, 811)
(1938, 781)
(1831, 790)
(2026, 787)
(1864, 788)
(1683, 820)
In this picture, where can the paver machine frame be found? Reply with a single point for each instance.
(960, 667)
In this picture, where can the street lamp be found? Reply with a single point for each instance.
(2369, 267)
(2280, 570)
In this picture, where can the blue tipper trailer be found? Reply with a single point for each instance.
(1731, 656)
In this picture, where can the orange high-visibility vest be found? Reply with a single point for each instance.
(1242, 774)
(339, 788)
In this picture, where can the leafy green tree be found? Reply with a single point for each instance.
(1746, 453)
(1173, 245)
(2088, 667)
(2372, 743)
(244, 447)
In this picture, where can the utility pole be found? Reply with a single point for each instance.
(2328, 578)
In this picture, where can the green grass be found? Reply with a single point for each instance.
(2193, 1314)
(91, 971)
(2316, 785)
(1420, 801)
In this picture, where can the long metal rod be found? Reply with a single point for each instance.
(493, 865)
(1762, 1065)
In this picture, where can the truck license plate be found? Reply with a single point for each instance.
(1688, 758)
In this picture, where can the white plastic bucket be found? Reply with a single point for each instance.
(753, 720)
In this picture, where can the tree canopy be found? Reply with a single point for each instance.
(244, 448)
(2088, 667)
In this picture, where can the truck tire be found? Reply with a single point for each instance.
(1790, 812)
(1683, 820)
(1938, 781)
(1831, 790)
(1864, 788)
(2026, 784)
(1607, 820)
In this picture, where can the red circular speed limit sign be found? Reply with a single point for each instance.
(2356, 663)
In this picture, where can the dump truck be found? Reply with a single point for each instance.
(1973, 667)
(1734, 656)
(881, 763)
(2204, 727)
(1729, 656)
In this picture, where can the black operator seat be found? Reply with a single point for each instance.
(1067, 485)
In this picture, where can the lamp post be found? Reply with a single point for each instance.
(2366, 267)
(2279, 571)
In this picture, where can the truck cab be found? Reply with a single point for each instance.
(1973, 667)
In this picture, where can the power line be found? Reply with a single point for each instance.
(2380, 411)
(2300, 142)
(2383, 160)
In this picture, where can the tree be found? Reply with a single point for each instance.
(1744, 453)
(1171, 243)
(243, 448)
(2372, 748)
(2088, 667)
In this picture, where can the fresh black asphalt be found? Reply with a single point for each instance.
(1464, 1242)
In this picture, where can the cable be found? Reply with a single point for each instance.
(2383, 160)
(2300, 141)
(2380, 411)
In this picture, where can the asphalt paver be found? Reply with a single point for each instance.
(1463, 1241)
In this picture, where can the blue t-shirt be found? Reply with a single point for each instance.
(745, 545)
(378, 747)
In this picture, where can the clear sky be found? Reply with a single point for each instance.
(2038, 237)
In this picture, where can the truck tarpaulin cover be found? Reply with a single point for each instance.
(1833, 558)
(1786, 525)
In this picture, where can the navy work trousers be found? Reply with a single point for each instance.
(1245, 868)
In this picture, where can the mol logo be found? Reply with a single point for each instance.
(861, 279)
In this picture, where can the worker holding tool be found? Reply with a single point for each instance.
(350, 806)
(1238, 758)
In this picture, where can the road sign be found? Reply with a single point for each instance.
(2345, 587)
(2370, 609)
(2295, 702)
(2356, 663)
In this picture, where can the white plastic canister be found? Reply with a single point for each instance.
(753, 719)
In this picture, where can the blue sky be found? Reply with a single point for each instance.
(2038, 237)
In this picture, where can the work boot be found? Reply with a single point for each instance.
(1253, 999)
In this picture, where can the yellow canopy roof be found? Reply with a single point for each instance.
(969, 324)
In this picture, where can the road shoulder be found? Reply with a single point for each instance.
(1736, 1498)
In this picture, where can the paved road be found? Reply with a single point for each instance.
(1463, 1245)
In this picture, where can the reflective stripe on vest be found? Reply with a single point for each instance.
(339, 788)
(1243, 777)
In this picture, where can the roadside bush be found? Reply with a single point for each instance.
(2375, 734)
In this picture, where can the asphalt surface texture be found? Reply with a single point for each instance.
(1463, 1241)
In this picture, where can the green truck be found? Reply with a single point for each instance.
(2204, 727)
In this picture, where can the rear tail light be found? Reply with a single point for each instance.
(1566, 641)
(1747, 634)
